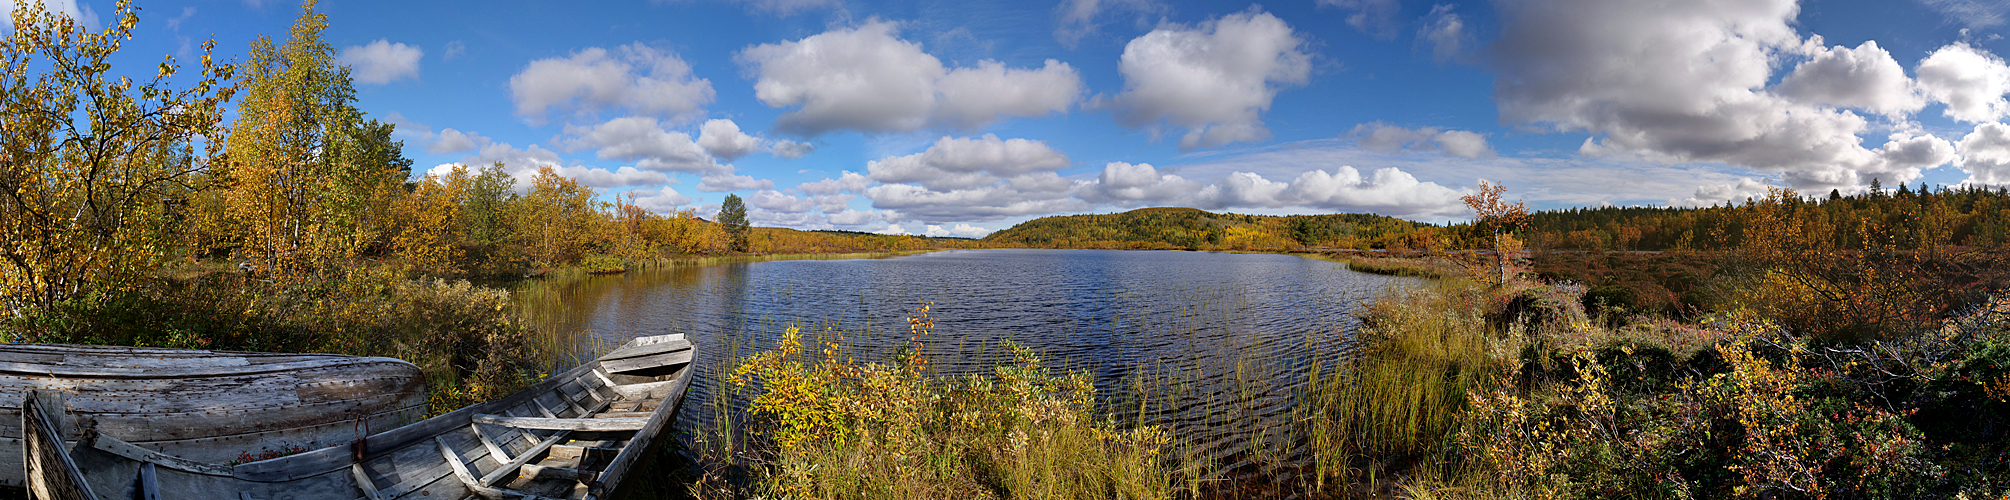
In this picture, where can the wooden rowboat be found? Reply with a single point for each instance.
(575, 435)
(209, 406)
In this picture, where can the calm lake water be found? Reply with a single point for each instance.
(1222, 338)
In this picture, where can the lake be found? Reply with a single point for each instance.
(1220, 338)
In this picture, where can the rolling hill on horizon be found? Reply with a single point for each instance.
(1179, 228)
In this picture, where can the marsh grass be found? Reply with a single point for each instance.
(831, 426)
(1432, 266)
(1398, 402)
(827, 412)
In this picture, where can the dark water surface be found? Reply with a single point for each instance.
(1221, 339)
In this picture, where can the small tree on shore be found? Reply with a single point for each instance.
(94, 168)
(733, 217)
(1502, 220)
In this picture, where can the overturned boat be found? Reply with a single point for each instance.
(575, 435)
(209, 406)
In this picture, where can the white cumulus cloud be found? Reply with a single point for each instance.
(960, 230)
(637, 78)
(723, 139)
(1141, 184)
(643, 141)
(1215, 80)
(450, 141)
(603, 178)
(1985, 155)
(1387, 138)
(1724, 194)
(848, 181)
(1970, 81)
(854, 217)
(772, 200)
(1681, 82)
(964, 179)
(522, 164)
(868, 79)
(1865, 77)
(722, 182)
(956, 163)
(664, 201)
(381, 62)
(975, 97)
(1385, 191)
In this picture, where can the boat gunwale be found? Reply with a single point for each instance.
(337, 458)
(31, 369)
(616, 470)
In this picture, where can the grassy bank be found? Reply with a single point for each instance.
(1513, 392)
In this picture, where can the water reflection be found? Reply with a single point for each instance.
(1217, 339)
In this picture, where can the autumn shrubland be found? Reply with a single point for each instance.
(1806, 362)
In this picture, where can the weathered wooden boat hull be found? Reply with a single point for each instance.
(207, 405)
(574, 436)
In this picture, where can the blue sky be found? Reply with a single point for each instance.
(967, 117)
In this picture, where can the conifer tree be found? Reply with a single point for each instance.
(733, 217)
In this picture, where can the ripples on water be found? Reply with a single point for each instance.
(1212, 344)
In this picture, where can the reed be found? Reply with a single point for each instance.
(1415, 266)
(831, 426)
(1399, 402)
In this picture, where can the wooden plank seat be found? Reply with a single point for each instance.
(566, 424)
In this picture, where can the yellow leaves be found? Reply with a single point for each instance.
(1998, 389)
(831, 417)
(76, 231)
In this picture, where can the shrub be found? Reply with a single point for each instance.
(837, 428)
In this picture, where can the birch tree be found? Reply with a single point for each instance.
(93, 166)
(311, 181)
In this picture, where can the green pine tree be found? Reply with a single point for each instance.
(733, 216)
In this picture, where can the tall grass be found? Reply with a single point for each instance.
(1398, 403)
(1416, 267)
(834, 427)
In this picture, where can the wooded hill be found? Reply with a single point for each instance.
(1901, 219)
(1904, 218)
(1172, 228)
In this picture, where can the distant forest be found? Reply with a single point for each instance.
(1905, 218)
(1192, 229)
